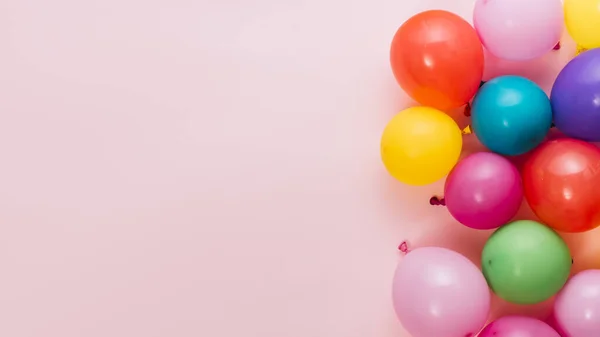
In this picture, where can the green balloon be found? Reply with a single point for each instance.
(525, 262)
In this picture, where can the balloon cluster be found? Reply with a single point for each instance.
(438, 59)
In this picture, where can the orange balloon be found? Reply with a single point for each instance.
(437, 58)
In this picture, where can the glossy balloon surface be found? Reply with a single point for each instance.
(483, 191)
(577, 306)
(438, 292)
(437, 59)
(519, 29)
(518, 326)
(511, 115)
(582, 18)
(561, 180)
(420, 145)
(526, 262)
(576, 97)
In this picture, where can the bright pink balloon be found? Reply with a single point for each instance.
(440, 293)
(483, 191)
(518, 326)
(577, 306)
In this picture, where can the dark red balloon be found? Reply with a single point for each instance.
(561, 180)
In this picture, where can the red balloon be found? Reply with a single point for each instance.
(561, 180)
(437, 58)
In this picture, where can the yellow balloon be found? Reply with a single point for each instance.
(420, 145)
(582, 18)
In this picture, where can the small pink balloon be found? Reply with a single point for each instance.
(519, 29)
(438, 292)
(483, 191)
(577, 306)
(518, 326)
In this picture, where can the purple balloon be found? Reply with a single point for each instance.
(483, 191)
(575, 97)
(518, 326)
(577, 306)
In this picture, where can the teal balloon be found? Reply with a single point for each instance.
(511, 115)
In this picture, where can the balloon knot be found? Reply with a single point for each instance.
(580, 50)
(435, 201)
(403, 248)
(467, 130)
(467, 111)
(557, 47)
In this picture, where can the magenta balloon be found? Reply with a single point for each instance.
(440, 293)
(518, 326)
(577, 306)
(483, 191)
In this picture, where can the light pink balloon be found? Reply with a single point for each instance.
(440, 293)
(577, 306)
(519, 29)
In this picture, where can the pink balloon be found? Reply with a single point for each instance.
(483, 191)
(577, 306)
(518, 326)
(519, 29)
(438, 292)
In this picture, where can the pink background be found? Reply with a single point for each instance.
(208, 168)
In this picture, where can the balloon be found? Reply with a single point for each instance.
(483, 191)
(518, 326)
(438, 292)
(561, 181)
(420, 145)
(511, 115)
(526, 262)
(583, 22)
(437, 59)
(577, 306)
(576, 97)
(519, 29)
